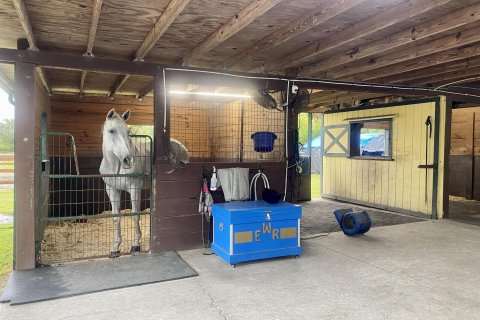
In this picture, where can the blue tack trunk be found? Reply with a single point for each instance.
(253, 230)
(353, 223)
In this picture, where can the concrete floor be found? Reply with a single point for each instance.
(424, 270)
(464, 210)
(318, 217)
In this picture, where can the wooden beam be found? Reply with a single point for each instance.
(171, 12)
(25, 22)
(318, 15)
(405, 10)
(174, 8)
(231, 27)
(146, 90)
(25, 166)
(449, 77)
(183, 75)
(102, 99)
(118, 84)
(410, 76)
(407, 37)
(361, 70)
(79, 62)
(455, 54)
(27, 28)
(97, 8)
(242, 19)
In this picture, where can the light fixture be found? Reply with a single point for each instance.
(211, 94)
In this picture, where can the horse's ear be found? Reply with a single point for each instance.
(126, 115)
(111, 114)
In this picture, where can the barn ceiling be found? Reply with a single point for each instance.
(410, 42)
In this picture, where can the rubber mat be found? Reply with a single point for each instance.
(86, 277)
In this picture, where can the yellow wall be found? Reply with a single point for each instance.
(397, 184)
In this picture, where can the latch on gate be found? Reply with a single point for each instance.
(427, 166)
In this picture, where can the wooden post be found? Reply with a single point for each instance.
(24, 166)
(160, 155)
(446, 155)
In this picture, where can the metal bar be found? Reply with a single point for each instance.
(111, 175)
(98, 216)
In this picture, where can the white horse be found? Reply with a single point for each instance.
(122, 156)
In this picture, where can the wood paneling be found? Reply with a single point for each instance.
(398, 184)
(84, 121)
(465, 153)
(176, 223)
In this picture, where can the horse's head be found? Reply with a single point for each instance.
(178, 154)
(116, 138)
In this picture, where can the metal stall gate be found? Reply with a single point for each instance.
(75, 219)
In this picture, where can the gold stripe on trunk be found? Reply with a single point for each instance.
(287, 233)
(243, 237)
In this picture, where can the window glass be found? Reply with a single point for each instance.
(371, 138)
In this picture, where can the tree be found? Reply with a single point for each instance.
(6, 135)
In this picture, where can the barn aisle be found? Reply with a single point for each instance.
(425, 270)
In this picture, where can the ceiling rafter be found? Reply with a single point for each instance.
(421, 72)
(388, 18)
(171, 12)
(97, 8)
(437, 26)
(146, 90)
(239, 21)
(318, 15)
(441, 51)
(452, 41)
(448, 77)
(27, 28)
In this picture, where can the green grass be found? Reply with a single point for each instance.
(315, 186)
(7, 166)
(6, 202)
(6, 249)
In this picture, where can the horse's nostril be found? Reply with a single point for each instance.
(125, 160)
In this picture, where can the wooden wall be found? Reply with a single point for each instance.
(399, 184)
(176, 224)
(83, 118)
(189, 125)
(464, 178)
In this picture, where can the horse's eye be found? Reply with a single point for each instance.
(111, 131)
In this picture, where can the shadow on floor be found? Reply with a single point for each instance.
(463, 210)
(317, 216)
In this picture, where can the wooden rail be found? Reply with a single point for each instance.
(6, 159)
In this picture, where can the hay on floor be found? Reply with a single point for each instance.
(71, 240)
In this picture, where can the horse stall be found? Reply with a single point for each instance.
(76, 217)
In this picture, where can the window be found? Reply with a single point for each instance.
(371, 139)
(142, 130)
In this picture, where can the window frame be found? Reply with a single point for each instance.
(355, 140)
